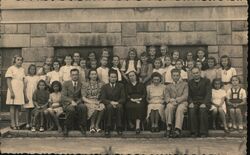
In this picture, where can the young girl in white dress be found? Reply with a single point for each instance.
(218, 103)
(212, 72)
(65, 70)
(54, 75)
(226, 72)
(164, 52)
(158, 68)
(16, 94)
(31, 81)
(168, 67)
(103, 70)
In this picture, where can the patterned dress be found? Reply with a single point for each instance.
(92, 92)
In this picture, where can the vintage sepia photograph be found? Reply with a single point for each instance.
(124, 77)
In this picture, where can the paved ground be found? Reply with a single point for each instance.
(199, 146)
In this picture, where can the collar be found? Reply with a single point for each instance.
(179, 81)
(74, 82)
(203, 59)
(112, 84)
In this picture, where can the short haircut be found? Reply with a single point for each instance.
(164, 45)
(180, 60)
(112, 71)
(215, 80)
(158, 59)
(152, 47)
(156, 74)
(195, 68)
(175, 70)
(175, 51)
(54, 83)
(228, 59)
(74, 70)
(214, 59)
(235, 76)
(32, 65)
(15, 57)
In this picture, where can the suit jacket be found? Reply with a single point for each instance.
(109, 94)
(200, 92)
(69, 94)
(178, 91)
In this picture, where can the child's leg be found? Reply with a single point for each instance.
(93, 119)
(17, 115)
(41, 119)
(35, 116)
(12, 116)
(157, 116)
(223, 117)
(99, 118)
(47, 117)
(55, 119)
(232, 116)
(137, 122)
(239, 118)
(214, 115)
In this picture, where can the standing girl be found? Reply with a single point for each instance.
(40, 100)
(30, 84)
(65, 70)
(158, 68)
(198, 64)
(167, 78)
(175, 57)
(16, 94)
(103, 70)
(131, 63)
(54, 75)
(201, 57)
(236, 99)
(179, 66)
(189, 57)
(146, 69)
(226, 72)
(218, 103)
(116, 66)
(164, 52)
(212, 72)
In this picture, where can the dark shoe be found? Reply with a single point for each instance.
(226, 130)
(107, 133)
(82, 130)
(177, 134)
(203, 135)
(13, 127)
(18, 127)
(119, 132)
(65, 132)
(167, 134)
(194, 135)
(138, 131)
(152, 129)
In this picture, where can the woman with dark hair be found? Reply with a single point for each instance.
(16, 94)
(226, 72)
(91, 96)
(136, 101)
(155, 98)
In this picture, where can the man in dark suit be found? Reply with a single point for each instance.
(199, 99)
(73, 106)
(113, 96)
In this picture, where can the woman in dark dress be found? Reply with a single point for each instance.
(136, 101)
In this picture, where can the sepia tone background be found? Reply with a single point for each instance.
(39, 28)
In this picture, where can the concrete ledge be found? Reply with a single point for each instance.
(126, 134)
(14, 4)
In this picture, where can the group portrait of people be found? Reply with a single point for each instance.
(102, 94)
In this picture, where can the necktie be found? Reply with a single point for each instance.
(75, 85)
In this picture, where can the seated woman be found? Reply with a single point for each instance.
(90, 95)
(155, 99)
(136, 100)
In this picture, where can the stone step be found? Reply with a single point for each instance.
(126, 134)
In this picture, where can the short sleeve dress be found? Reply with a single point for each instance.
(55, 99)
(156, 96)
(17, 76)
(31, 84)
(217, 95)
(92, 92)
